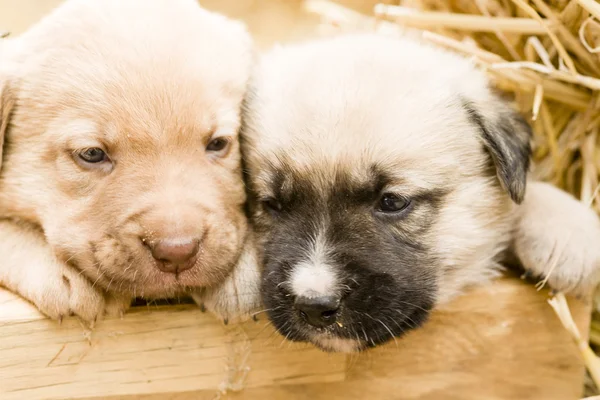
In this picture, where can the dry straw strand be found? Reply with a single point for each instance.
(417, 19)
(561, 308)
(482, 6)
(571, 42)
(590, 6)
(582, 38)
(559, 47)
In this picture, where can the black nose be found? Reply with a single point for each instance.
(318, 311)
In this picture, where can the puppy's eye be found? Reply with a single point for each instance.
(272, 206)
(391, 203)
(93, 155)
(218, 145)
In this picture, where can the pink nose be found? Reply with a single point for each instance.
(175, 255)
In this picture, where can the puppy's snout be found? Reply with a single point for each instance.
(318, 311)
(174, 255)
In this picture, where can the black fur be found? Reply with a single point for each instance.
(386, 271)
(507, 138)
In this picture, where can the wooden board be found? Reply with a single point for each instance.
(501, 341)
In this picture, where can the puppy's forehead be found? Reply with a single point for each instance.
(284, 175)
(350, 178)
(366, 98)
(172, 59)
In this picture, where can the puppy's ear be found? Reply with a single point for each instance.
(506, 136)
(7, 104)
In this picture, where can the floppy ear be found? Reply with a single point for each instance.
(506, 136)
(7, 103)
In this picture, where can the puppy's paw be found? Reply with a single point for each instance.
(68, 293)
(238, 297)
(30, 268)
(63, 291)
(557, 239)
(116, 305)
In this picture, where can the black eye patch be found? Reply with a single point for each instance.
(310, 191)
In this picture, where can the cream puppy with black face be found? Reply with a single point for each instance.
(121, 172)
(386, 178)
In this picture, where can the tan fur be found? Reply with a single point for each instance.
(238, 296)
(39, 276)
(152, 83)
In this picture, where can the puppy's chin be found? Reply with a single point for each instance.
(334, 344)
(146, 280)
(157, 284)
(346, 337)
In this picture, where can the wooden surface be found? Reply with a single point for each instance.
(502, 341)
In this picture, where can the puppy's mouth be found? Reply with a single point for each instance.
(116, 267)
(146, 282)
(155, 285)
(352, 330)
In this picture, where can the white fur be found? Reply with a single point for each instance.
(313, 280)
(314, 277)
(558, 237)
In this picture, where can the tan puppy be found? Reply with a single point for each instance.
(386, 178)
(120, 168)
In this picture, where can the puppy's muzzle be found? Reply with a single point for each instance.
(174, 255)
(320, 311)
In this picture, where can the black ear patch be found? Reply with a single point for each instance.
(506, 136)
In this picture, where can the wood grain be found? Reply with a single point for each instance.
(501, 341)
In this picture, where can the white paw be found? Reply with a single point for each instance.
(238, 297)
(558, 240)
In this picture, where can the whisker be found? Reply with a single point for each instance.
(110, 283)
(264, 311)
(413, 305)
(414, 324)
(97, 279)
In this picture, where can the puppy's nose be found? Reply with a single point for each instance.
(175, 254)
(318, 311)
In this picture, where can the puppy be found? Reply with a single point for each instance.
(121, 171)
(386, 178)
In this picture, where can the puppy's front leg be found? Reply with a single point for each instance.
(558, 238)
(29, 268)
(236, 298)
